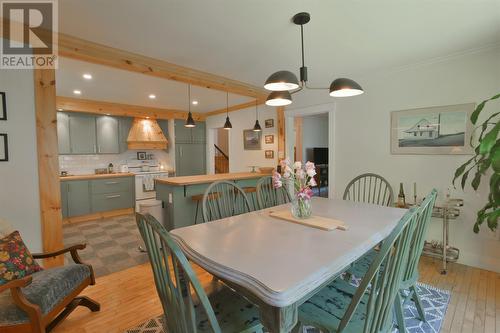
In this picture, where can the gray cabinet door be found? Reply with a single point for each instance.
(107, 135)
(78, 197)
(124, 125)
(182, 134)
(63, 133)
(82, 134)
(199, 133)
(64, 199)
(190, 159)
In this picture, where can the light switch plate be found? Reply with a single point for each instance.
(170, 198)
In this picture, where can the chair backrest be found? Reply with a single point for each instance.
(424, 217)
(224, 199)
(175, 280)
(369, 188)
(268, 196)
(384, 283)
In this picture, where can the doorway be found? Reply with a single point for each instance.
(221, 151)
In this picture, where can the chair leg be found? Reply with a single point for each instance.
(418, 303)
(398, 308)
(81, 300)
(88, 303)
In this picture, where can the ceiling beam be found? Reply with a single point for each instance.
(237, 107)
(80, 49)
(117, 109)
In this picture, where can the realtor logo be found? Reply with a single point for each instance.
(29, 30)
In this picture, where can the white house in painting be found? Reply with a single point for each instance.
(424, 129)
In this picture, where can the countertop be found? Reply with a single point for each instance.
(204, 179)
(95, 176)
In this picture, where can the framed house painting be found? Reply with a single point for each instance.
(269, 123)
(269, 139)
(4, 148)
(252, 140)
(440, 130)
(269, 154)
(3, 106)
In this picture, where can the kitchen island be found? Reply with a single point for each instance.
(181, 196)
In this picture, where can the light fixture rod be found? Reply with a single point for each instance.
(303, 69)
(189, 97)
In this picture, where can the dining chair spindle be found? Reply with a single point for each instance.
(369, 188)
(268, 195)
(224, 199)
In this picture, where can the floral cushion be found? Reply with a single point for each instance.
(16, 260)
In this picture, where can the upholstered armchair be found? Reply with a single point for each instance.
(40, 301)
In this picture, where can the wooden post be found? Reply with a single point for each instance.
(298, 139)
(48, 163)
(280, 112)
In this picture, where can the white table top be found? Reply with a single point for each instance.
(279, 261)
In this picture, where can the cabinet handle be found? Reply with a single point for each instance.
(95, 148)
(113, 196)
(111, 183)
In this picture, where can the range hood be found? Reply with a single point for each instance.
(146, 134)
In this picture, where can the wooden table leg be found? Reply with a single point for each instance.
(278, 320)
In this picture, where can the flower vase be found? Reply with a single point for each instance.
(301, 207)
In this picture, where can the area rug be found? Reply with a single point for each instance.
(435, 302)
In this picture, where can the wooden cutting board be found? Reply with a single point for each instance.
(314, 221)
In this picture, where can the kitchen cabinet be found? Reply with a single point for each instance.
(78, 200)
(198, 133)
(190, 159)
(124, 125)
(82, 132)
(107, 135)
(195, 134)
(63, 138)
(64, 199)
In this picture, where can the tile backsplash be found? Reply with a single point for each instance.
(86, 164)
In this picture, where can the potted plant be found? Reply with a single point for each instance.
(485, 162)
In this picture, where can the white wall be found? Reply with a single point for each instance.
(362, 134)
(19, 196)
(314, 134)
(240, 159)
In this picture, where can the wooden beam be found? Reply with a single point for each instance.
(80, 49)
(280, 115)
(116, 109)
(48, 163)
(298, 139)
(237, 107)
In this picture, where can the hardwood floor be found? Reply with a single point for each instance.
(128, 298)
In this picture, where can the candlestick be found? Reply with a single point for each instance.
(415, 193)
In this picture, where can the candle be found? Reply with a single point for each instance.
(415, 193)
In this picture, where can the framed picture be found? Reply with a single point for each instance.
(269, 123)
(269, 153)
(141, 155)
(252, 140)
(3, 106)
(269, 139)
(4, 148)
(438, 130)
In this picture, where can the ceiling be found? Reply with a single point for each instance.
(248, 40)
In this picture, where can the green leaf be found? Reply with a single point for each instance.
(476, 228)
(464, 179)
(461, 169)
(477, 111)
(489, 140)
(493, 219)
(476, 181)
(495, 157)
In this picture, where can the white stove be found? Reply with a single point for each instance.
(145, 174)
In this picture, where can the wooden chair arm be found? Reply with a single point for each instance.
(18, 283)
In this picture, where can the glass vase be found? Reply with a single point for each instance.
(301, 208)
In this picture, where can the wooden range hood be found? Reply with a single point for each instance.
(146, 134)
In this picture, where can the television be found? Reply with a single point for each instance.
(320, 156)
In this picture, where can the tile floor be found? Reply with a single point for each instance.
(112, 243)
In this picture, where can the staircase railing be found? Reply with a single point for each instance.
(221, 161)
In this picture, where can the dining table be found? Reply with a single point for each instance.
(277, 264)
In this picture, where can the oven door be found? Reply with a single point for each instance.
(143, 187)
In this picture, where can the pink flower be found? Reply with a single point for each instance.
(300, 174)
(310, 169)
(312, 182)
(297, 165)
(277, 180)
(305, 193)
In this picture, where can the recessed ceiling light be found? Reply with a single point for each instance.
(77, 92)
(87, 76)
(152, 96)
(108, 114)
(60, 109)
(147, 117)
(195, 102)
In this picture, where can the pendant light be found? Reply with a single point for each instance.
(227, 124)
(282, 82)
(189, 121)
(256, 127)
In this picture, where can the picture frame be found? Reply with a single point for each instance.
(269, 123)
(269, 154)
(252, 140)
(4, 148)
(269, 139)
(3, 106)
(141, 155)
(439, 130)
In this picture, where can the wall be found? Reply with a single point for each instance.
(362, 134)
(240, 160)
(314, 134)
(19, 194)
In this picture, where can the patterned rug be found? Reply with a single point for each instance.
(435, 302)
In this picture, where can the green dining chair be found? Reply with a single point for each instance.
(186, 306)
(369, 188)
(410, 275)
(369, 308)
(268, 196)
(224, 199)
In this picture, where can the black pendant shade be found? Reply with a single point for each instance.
(227, 124)
(256, 127)
(279, 98)
(282, 80)
(344, 87)
(190, 121)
